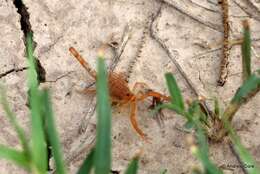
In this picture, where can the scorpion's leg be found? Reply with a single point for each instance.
(157, 100)
(134, 121)
(143, 91)
(155, 95)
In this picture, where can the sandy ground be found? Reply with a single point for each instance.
(161, 34)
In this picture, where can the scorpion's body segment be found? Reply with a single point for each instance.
(225, 50)
(119, 91)
(118, 87)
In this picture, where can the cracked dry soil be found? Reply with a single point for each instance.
(181, 37)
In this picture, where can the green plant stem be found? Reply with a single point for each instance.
(245, 93)
(246, 52)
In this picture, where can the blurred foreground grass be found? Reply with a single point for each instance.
(33, 155)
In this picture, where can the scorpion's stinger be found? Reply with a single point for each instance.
(83, 62)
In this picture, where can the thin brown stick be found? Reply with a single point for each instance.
(225, 49)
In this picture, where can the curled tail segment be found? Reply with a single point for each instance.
(81, 60)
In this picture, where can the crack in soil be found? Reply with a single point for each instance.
(25, 17)
(11, 71)
(26, 28)
(60, 77)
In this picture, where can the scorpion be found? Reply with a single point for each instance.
(120, 92)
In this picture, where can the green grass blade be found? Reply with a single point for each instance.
(32, 74)
(12, 118)
(189, 125)
(194, 113)
(246, 51)
(15, 156)
(175, 108)
(133, 166)
(175, 92)
(216, 107)
(164, 171)
(168, 106)
(202, 153)
(38, 150)
(103, 144)
(250, 87)
(87, 164)
(52, 134)
(202, 149)
(247, 91)
(244, 155)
